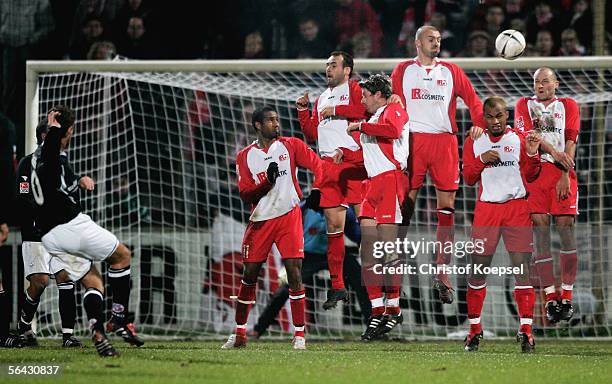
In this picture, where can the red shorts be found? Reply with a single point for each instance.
(510, 220)
(543, 193)
(437, 154)
(341, 184)
(285, 231)
(381, 201)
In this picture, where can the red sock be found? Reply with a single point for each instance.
(335, 258)
(475, 297)
(445, 232)
(524, 296)
(296, 298)
(376, 299)
(246, 299)
(544, 270)
(569, 261)
(393, 294)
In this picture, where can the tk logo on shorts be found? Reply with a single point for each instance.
(24, 187)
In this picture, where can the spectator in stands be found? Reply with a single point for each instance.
(354, 16)
(582, 22)
(495, 21)
(24, 27)
(478, 45)
(359, 46)
(413, 17)
(254, 46)
(570, 45)
(131, 8)
(92, 30)
(310, 43)
(102, 50)
(449, 45)
(515, 9)
(135, 44)
(542, 18)
(545, 45)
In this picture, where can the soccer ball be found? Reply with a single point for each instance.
(510, 44)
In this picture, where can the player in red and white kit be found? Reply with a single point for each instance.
(267, 179)
(384, 141)
(341, 183)
(428, 88)
(555, 192)
(503, 160)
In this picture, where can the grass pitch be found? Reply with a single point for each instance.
(324, 362)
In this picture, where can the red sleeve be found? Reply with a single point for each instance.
(572, 120)
(392, 122)
(397, 80)
(305, 157)
(355, 110)
(465, 90)
(249, 191)
(309, 123)
(522, 119)
(353, 157)
(530, 165)
(472, 165)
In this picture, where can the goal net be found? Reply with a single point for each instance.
(160, 139)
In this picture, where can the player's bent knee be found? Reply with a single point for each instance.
(38, 283)
(62, 277)
(121, 258)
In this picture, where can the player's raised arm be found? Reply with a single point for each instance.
(308, 122)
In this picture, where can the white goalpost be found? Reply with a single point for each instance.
(160, 139)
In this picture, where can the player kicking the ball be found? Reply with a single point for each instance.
(66, 230)
(503, 160)
(267, 179)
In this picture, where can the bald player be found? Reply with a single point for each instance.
(555, 192)
(428, 88)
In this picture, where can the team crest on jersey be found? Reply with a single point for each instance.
(24, 187)
(558, 115)
(283, 157)
(343, 97)
(508, 148)
(520, 123)
(442, 83)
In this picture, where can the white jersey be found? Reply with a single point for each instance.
(332, 132)
(429, 94)
(270, 201)
(557, 122)
(382, 154)
(501, 181)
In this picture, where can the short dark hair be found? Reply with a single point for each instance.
(41, 129)
(66, 117)
(491, 101)
(378, 83)
(258, 115)
(347, 60)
